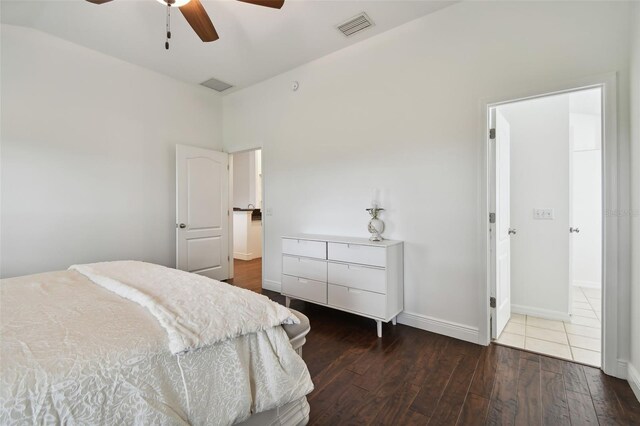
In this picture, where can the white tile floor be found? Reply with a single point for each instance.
(577, 340)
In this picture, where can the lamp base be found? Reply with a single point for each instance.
(376, 227)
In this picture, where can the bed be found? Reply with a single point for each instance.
(136, 343)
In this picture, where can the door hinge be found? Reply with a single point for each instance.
(228, 259)
(491, 325)
(227, 167)
(492, 133)
(492, 218)
(492, 302)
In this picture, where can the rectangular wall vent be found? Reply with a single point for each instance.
(355, 24)
(217, 85)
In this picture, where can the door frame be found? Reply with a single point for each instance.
(614, 224)
(231, 154)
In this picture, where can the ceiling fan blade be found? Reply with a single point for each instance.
(197, 17)
(276, 4)
(98, 1)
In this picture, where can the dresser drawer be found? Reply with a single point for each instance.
(356, 253)
(304, 267)
(303, 288)
(360, 277)
(306, 248)
(364, 302)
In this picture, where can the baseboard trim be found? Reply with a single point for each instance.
(623, 368)
(243, 256)
(587, 284)
(633, 377)
(540, 313)
(447, 328)
(271, 285)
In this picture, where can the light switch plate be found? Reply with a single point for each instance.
(543, 214)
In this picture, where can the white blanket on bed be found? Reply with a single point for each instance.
(74, 353)
(194, 310)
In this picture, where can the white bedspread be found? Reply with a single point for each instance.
(74, 353)
(195, 311)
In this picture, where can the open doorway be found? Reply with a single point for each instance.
(246, 200)
(547, 224)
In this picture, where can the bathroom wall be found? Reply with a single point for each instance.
(540, 180)
(586, 188)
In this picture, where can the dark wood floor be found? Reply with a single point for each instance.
(413, 377)
(247, 274)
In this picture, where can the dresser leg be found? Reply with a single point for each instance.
(287, 301)
(394, 320)
(379, 324)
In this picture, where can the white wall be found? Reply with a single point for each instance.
(587, 216)
(547, 136)
(88, 154)
(243, 170)
(401, 112)
(586, 195)
(258, 180)
(246, 179)
(540, 180)
(634, 359)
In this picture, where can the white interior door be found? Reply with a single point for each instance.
(202, 211)
(502, 231)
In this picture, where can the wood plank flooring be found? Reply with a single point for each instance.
(413, 377)
(247, 274)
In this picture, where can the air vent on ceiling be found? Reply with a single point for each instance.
(217, 85)
(355, 24)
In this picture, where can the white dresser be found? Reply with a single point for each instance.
(351, 274)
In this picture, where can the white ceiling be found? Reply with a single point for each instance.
(255, 42)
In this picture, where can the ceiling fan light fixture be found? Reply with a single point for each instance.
(197, 16)
(173, 3)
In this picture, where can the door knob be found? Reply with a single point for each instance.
(576, 230)
(182, 226)
(512, 231)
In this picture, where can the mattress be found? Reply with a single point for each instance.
(75, 353)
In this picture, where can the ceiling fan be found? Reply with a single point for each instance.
(197, 17)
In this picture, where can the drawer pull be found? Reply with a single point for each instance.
(353, 290)
(302, 281)
(303, 260)
(364, 268)
(357, 268)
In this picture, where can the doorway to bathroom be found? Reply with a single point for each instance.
(547, 224)
(246, 191)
